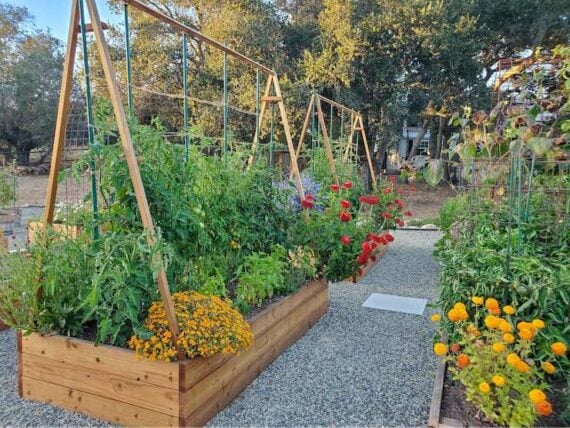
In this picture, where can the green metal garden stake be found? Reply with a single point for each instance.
(225, 102)
(90, 120)
(185, 84)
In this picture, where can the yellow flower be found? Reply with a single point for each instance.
(548, 367)
(509, 310)
(492, 321)
(484, 387)
(513, 359)
(477, 301)
(538, 324)
(498, 380)
(528, 325)
(505, 327)
(436, 317)
(460, 307)
(525, 334)
(440, 349)
(509, 338)
(457, 314)
(498, 347)
(537, 396)
(558, 348)
(492, 304)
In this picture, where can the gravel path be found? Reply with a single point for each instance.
(357, 366)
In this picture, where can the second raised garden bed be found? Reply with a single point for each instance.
(110, 383)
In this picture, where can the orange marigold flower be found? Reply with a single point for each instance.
(459, 306)
(463, 361)
(484, 387)
(526, 334)
(498, 380)
(513, 359)
(558, 348)
(522, 367)
(453, 315)
(528, 325)
(509, 338)
(548, 367)
(509, 310)
(538, 324)
(543, 408)
(537, 396)
(498, 347)
(440, 349)
(505, 327)
(492, 321)
(492, 303)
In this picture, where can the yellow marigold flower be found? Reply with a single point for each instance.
(460, 307)
(440, 349)
(528, 325)
(509, 310)
(558, 348)
(484, 387)
(477, 301)
(522, 367)
(492, 303)
(491, 321)
(548, 367)
(513, 359)
(509, 338)
(526, 334)
(537, 396)
(498, 380)
(505, 327)
(498, 347)
(436, 317)
(538, 324)
(453, 315)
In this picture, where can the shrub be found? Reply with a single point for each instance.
(207, 325)
(494, 358)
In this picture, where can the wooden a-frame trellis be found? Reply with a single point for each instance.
(97, 27)
(356, 126)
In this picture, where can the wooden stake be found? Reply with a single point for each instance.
(365, 140)
(349, 144)
(62, 113)
(305, 125)
(262, 111)
(285, 122)
(130, 156)
(326, 140)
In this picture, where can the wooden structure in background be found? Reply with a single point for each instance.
(109, 383)
(356, 126)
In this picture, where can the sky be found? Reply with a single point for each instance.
(54, 14)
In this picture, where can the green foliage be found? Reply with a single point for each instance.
(7, 194)
(452, 210)
(261, 276)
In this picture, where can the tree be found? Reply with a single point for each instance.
(29, 89)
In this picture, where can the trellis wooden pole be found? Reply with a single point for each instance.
(285, 123)
(131, 159)
(264, 101)
(305, 125)
(349, 143)
(367, 149)
(328, 149)
(62, 112)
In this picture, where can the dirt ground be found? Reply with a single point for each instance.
(425, 201)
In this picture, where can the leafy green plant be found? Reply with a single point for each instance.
(7, 194)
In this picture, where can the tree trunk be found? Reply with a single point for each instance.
(438, 141)
(419, 138)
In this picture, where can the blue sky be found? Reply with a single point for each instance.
(54, 14)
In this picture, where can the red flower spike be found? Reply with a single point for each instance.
(345, 239)
(373, 258)
(389, 237)
(366, 248)
(408, 213)
(335, 188)
(347, 185)
(374, 245)
(370, 200)
(362, 259)
(310, 197)
(387, 191)
(345, 204)
(387, 216)
(390, 207)
(399, 222)
(307, 203)
(399, 203)
(345, 216)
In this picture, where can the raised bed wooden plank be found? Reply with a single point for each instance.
(379, 253)
(299, 320)
(94, 405)
(435, 407)
(112, 386)
(110, 359)
(248, 371)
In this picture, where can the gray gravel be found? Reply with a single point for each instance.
(357, 366)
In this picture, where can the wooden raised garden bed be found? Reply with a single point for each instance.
(110, 383)
(379, 252)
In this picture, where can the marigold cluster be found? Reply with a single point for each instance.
(208, 326)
